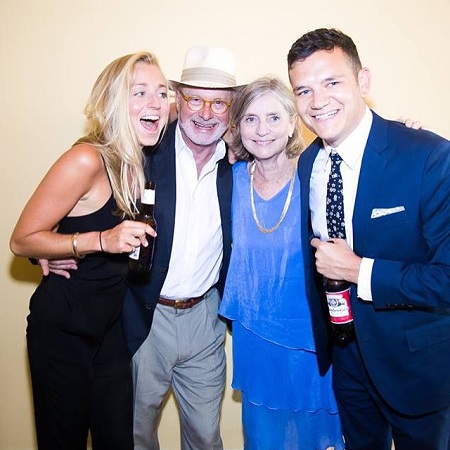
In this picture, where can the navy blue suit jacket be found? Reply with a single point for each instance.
(404, 334)
(144, 289)
(314, 289)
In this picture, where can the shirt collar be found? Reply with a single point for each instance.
(352, 148)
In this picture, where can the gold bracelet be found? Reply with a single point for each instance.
(74, 246)
(100, 240)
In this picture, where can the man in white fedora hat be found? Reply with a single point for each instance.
(170, 317)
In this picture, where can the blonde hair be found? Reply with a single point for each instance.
(247, 95)
(110, 130)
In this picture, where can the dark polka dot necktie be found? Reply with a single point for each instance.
(335, 199)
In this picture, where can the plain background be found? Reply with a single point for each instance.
(53, 50)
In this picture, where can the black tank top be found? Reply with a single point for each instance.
(90, 302)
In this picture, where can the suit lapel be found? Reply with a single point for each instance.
(162, 168)
(305, 165)
(224, 189)
(373, 164)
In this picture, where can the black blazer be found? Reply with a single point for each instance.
(143, 290)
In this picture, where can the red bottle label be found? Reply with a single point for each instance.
(339, 306)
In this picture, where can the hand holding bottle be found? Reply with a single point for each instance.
(126, 237)
(336, 260)
(332, 258)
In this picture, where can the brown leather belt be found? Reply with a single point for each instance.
(182, 303)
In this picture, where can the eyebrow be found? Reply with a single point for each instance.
(195, 94)
(161, 85)
(325, 80)
(262, 115)
(332, 77)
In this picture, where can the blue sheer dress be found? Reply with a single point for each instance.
(286, 404)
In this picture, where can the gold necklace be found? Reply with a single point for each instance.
(286, 204)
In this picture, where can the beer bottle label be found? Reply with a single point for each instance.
(148, 197)
(339, 307)
(135, 254)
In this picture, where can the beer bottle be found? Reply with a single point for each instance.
(339, 308)
(141, 259)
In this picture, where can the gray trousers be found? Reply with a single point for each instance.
(183, 351)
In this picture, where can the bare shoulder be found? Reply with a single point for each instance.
(79, 169)
(84, 157)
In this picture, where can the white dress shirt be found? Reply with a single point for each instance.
(197, 247)
(351, 151)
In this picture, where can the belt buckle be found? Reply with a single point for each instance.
(178, 304)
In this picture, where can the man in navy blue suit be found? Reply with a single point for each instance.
(393, 380)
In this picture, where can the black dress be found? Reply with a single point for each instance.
(80, 368)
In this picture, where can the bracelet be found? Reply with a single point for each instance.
(100, 240)
(74, 246)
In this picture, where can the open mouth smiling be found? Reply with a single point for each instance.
(150, 122)
(203, 126)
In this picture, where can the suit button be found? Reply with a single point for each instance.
(148, 306)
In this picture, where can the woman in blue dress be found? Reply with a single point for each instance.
(286, 403)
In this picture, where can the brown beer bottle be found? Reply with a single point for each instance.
(340, 310)
(141, 259)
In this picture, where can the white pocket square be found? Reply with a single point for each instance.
(380, 212)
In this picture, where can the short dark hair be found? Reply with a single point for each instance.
(324, 39)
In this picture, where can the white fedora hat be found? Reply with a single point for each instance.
(208, 67)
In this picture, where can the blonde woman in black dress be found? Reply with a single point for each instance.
(78, 360)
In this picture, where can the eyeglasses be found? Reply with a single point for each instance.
(196, 103)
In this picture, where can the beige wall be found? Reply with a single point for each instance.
(52, 51)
